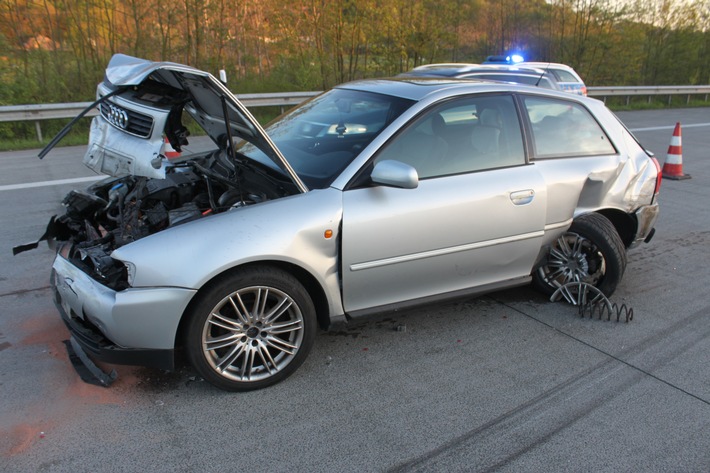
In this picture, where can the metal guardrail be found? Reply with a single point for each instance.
(650, 91)
(37, 113)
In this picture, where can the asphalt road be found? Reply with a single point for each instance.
(505, 382)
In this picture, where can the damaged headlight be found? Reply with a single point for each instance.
(98, 263)
(130, 272)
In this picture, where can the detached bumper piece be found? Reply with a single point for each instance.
(87, 369)
(88, 344)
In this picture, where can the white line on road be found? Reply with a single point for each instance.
(668, 127)
(30, 185)
(79, 180)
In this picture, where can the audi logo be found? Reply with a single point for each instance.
(117, 116)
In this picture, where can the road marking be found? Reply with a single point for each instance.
(59, 182)
(79, 180)
(669, 127)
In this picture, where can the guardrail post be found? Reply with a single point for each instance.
(39, 131)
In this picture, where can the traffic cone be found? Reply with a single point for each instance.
(673, 167)
(168, 150)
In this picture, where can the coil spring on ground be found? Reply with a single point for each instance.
(592, 302)
(608, 308)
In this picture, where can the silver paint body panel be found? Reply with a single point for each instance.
(388, 245)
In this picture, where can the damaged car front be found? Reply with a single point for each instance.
(142, 105)
(389, 194)
(230, 255)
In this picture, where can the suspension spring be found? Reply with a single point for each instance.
(591, 302)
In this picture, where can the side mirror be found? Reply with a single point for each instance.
(395, 174)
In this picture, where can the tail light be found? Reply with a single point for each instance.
(659, 176)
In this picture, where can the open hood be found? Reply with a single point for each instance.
(141, 104)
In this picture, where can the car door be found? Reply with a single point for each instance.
(475, 220)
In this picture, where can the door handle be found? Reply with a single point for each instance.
(523, 197)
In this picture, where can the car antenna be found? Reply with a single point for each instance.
(544, 71)
(71, 124)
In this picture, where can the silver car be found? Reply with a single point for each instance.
(518, 73)
(375, 196)
(566, 77)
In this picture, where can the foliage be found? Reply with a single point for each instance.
(56, 50)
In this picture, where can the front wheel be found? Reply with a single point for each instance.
(591, 251)
(251, 330)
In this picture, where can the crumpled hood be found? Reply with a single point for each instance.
(146, 103)
(129, 70)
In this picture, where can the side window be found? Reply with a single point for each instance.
(459, 136)
(563, 129)
(564, 76)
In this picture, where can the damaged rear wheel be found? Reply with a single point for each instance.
(251, 330)
(591, 251)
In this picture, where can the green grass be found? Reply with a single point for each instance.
(620, 104)
(30, 143)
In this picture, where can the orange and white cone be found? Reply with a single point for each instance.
(168, 150)
(673, 167)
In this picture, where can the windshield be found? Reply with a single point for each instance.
(321, 137)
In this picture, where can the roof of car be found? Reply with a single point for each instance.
(412, 88)
(543, 65)
(452, 70)
(416, 88)
(556, 66)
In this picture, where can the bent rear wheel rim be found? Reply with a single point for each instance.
(253, 334)
(573, 258)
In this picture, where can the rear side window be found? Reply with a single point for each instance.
(564, 129)
(564, 76)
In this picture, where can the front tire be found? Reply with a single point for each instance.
(252, 329)
(591, 251)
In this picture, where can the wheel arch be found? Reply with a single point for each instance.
(595, 254)
(624, 223)
(311, 285)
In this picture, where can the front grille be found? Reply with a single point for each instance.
(127, 120)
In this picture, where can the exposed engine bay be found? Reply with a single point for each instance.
(117, 211)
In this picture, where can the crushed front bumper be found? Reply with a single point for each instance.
(136, 326)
